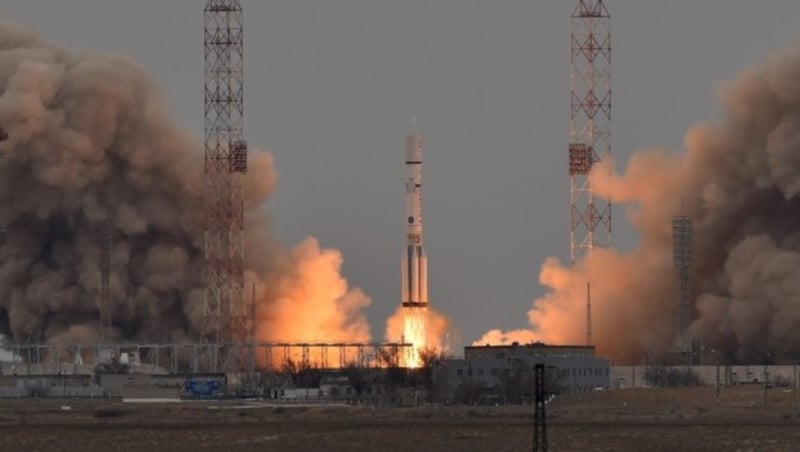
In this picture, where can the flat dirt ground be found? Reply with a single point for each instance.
(630, 420)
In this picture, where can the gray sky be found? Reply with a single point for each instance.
(331, 85)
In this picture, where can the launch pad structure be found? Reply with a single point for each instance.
(227, 343)
(188, 358)
(590, 132)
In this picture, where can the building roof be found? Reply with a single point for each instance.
(534, 348)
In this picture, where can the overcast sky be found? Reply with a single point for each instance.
(331, 85)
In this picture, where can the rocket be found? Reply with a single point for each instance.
(414, 262)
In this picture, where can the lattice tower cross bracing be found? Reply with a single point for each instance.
(590, 131)
(224, 307)
(682, 231)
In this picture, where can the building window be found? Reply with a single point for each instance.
(469, 372)
(460, 372)
(480, 372)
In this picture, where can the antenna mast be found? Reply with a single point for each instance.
(105, 271)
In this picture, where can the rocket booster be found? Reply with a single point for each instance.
(414, 262)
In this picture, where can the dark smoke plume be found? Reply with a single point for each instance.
(740, 182)
(90, 139)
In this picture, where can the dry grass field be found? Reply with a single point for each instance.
(635, 420)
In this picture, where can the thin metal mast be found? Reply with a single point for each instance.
(224, 307)
(105, 270)
(588, 314)
(590, 131)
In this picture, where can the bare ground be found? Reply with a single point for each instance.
(636, 420)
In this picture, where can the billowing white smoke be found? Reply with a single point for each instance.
(89, 139)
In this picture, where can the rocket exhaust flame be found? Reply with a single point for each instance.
(424, 326)
(740, 183)
(414, 333)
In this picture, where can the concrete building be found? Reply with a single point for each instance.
(504, 374)
(8, 360)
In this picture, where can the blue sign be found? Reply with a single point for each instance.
(202, 388)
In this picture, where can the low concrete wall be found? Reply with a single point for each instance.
(57, 392)
(143, 392)
(624, 377)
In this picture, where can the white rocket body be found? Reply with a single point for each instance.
(414, 262)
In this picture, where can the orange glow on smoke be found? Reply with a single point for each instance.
(310, 302)
(621, 281)
(623, 284)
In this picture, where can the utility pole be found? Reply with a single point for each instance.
(765, 384)
(105, 270)
(718, 382)
(539, 414)
(252, 336)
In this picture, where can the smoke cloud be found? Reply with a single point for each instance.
(739, 181)
(90, 139)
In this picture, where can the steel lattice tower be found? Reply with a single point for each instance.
(590, 130)
(682, 261)
(224, 307)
